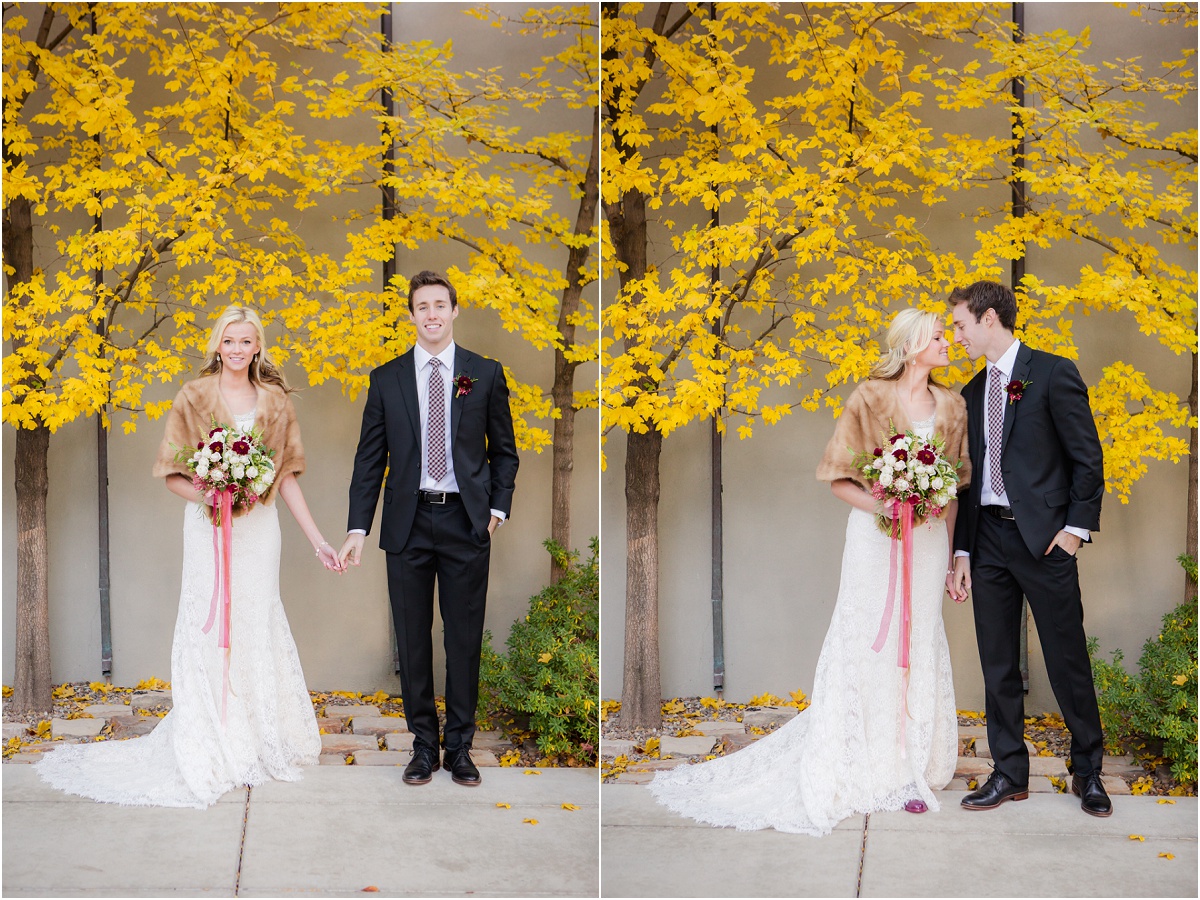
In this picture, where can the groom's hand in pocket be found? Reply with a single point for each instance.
(351, 551)
(1069, 542)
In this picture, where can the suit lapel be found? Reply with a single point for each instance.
(464, 363)
(406, 374)
(975, 403)
(1020, 372)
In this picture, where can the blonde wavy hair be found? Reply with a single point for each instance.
(910, 333)
(262, 369)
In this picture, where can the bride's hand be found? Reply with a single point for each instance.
(329, 558)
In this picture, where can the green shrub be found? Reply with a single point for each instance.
(1160, 701)
(549, 677)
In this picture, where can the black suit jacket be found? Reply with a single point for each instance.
(1051, 456)
(483, 446)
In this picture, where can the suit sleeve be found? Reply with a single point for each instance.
(370, 461)
(1076, 428)
(966, 495)
(501, 446)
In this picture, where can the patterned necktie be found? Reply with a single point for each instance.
(436, 437)
(995, 436)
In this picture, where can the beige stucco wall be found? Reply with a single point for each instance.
(341, 624)
(784, 531)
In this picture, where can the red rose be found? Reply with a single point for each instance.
(216, 447)
(200, 446)
(879, 451)
(926, 457)
(900, 454)
(214, 431)
(895, 437)
(241, 448)
(1016, 389)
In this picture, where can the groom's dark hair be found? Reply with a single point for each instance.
(984, 295)
(424, 279)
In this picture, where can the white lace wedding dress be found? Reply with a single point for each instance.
(191, 758)
(851, 751)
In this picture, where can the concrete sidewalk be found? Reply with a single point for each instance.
(1041, 847)
(340, 830)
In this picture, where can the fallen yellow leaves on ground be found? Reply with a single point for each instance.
(150, 684)
(1163, 800)
(503, 805)
(1137, 837)
(530, 821)
(1166, 856)
(570, 806)
(532, 772)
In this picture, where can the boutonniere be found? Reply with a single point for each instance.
(1016, 390)
(463, 384)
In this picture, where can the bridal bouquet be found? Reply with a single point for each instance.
(911, 470)
(230, 461)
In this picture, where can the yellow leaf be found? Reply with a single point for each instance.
(503, 805)
(570, 806)
(1163, 800)
(545, 657)
(370, 889)
(1137, 837)
(1179, 679)
(532, 772)
(1166, 856)
(530, 821)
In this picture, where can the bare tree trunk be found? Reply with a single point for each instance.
(563, 392)
(32, 690)
(641, 690)
(1189, 590)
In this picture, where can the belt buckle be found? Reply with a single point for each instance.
(1005, 513)
(441, 495)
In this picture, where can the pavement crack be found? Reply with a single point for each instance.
(237, 881)
(862, 855)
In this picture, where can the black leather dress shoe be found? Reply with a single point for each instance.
(1090, 791)
(462, 770)
(994, 792)
(421, 767)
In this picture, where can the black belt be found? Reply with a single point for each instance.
(1000, 512)
(437, 498)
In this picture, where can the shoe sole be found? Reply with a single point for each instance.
(465, 783)
(1022, 796)
(1090, 812)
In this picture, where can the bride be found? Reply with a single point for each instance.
(867, 743)
(259, 724)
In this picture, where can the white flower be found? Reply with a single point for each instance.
(218, 474)
(900, 485)
(239, 473)
(202, 469)
(941, 499)
(878, 463)
(885, 477)
(938, 484)
(252, 472)
(923, 481)
(268, 476)
(258, 487)
(951, 490)
(899, 464)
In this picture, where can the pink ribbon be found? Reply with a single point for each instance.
(902, 544)
(221, 598)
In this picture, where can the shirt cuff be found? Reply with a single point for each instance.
(499, 515)
(356, 531)
(1082, 533)
(958, 553)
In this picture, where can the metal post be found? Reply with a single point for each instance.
(1018, 264)
(718, 511)
(105, 585)
(389, 213)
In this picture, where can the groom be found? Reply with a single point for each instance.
(1035, 497)
(437, 421)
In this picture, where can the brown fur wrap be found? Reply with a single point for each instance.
(873, 409)
(200, 401)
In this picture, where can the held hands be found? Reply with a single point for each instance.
(351, 552)
(958, 579)
(329, 558)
